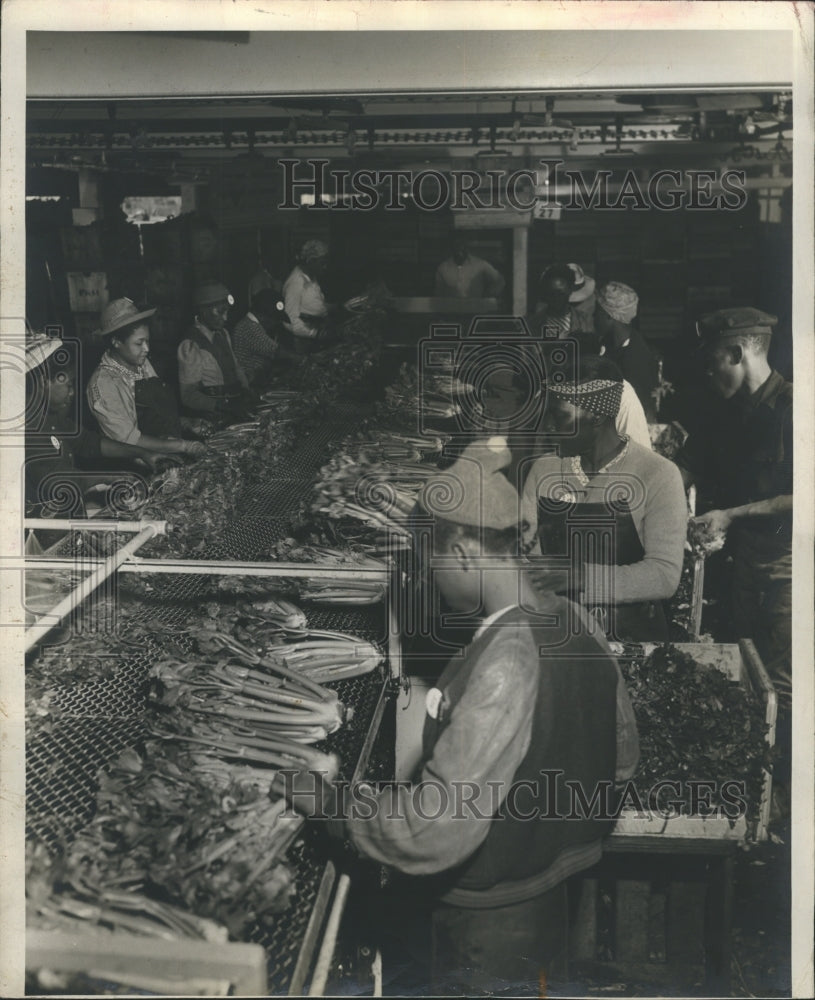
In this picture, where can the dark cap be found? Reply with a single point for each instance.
(207, 295)
(733, 323)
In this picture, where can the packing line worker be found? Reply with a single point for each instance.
(613, 317)
(536, 688)
(58, 448)
(126, 397)
(565, 294)
(256, 349)
(745, 460)
(211, 380)
(306, 312)
(566, 308)
(615, 510)
(465, 276)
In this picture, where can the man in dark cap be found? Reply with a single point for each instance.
(536, 690)
(744, 462)
(211, 380)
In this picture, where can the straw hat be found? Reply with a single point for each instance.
(121, 313)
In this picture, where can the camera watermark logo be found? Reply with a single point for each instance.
(490, 378)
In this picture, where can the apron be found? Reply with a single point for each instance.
(595, 529)
(156, 408)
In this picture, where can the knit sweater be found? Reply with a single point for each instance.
(658, 509)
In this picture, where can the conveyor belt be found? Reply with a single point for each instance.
(97, 719)
(100, 718)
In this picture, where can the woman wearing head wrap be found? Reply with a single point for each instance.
(612, 509)
(613, 315)
(303, 299)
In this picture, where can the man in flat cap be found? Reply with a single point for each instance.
(536, 690)
(613, 317)
(744, 464)
(211, 380)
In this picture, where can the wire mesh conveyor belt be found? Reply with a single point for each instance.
(95, 720)
(98, 719)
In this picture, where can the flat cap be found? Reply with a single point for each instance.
(473, 490)
(734, 322)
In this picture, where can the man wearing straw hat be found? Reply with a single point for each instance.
(535, 693)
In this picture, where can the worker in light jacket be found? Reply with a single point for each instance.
(612, 510)
(210, 377)
(536, 692)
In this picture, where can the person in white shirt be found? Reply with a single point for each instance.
(463, 276)
(305, 306)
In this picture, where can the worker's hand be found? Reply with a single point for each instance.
(195, 449)
(708, 532)
(149, 458)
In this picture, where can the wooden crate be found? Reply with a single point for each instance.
(743, 664)
(199, 968)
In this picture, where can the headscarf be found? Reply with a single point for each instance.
(618, 300)
(598, 395)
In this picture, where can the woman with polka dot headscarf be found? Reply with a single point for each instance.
(614, 510)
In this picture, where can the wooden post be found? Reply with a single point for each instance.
(520, 244)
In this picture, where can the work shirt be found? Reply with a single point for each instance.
(474, 278)
(111, 397)
(197, 368)
(302, 297)
(746, 456)
(484, 742)
(656, 501)
(253, 346)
